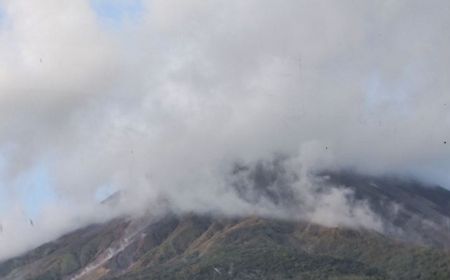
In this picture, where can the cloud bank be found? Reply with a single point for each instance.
(162, 104)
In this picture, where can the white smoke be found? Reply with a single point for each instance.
(163, 106)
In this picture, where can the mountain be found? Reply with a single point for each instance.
(414, 243)
(411, 210)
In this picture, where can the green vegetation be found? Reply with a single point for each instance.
(253, 248)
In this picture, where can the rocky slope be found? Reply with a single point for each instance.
(414, 244)
(200, 247)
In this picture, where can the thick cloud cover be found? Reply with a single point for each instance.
(164, 103)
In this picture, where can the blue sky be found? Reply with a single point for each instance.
(34, 188)
(2, 14)
(3, 186)
(115, 12)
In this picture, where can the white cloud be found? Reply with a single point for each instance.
(165, 105)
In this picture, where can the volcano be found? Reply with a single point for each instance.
(413, 244)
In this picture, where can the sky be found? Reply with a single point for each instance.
(160, 99)
(116, 12)
(35, 188)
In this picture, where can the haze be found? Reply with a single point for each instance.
(159, 99)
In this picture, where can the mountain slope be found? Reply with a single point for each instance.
(199, 247)
(414, 244)
(411, 211)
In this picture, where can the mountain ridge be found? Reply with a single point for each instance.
(415, 244)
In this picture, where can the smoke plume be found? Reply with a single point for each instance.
(166, 103)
